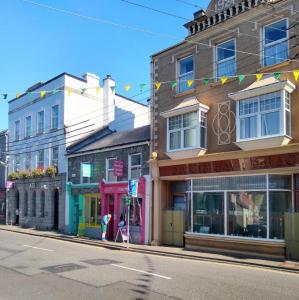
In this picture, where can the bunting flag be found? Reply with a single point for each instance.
(5, 96)
(18, 95)
(30, 94)
(173, 84)
(241, 78)
(277, 75)
(42, 94)
(259, 76)
(112, 89)
(127, 87)
(206, 81)
(223, 79)
(69, 91)
(55, 92)
(98, 89)
(142, 86)
(157, 85)
(83, 91)
(190, 82)
(296, 74)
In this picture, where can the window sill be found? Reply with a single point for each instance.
(189, 153)
(274, 67)
(264, 143)
(185, 93)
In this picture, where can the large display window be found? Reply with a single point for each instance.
(241, 206)
(92, 209)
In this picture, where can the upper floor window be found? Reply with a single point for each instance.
(41, 158)
(135, 166)
(17, 130)
(110, 170)
(28, 161)
(226, 59)
(185, 73)
(265, 116)
(28, 127)
(40, 121)
(55, 116)
(187, 131)
(276, 46)
(86, 172)
(17, 163)
(55, 155)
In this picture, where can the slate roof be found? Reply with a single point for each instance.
(120, 138)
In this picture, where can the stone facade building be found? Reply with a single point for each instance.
(3, 174)
(225, 137)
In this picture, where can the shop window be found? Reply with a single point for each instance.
(135, 212)
(264, 116)
(208, 213)
(226, 59)
(110, 170)
(135, 166)
(187, 131)
(276, 45)
(247, 214)
(92, 207)
(185, 73)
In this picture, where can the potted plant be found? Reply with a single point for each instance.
(25, 174)
(14, 176)
(51, 171)
(38, 172)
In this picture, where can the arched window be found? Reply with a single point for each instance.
(26, 204)
(42, 204)
(34, 204)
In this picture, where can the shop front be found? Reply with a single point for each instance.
(2, 206)
(238, 204)
(114, 202)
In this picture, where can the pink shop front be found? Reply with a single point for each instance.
(113, 201)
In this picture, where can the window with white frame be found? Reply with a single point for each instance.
(135, 166)
(185, 73)
(41, 158)
(17, 163)
(187, 131)
(28, 161)
(110, 170)
(55, 155)
(264, 116)
(28, 126)
(226, 59)
(55, 116)
(276, 45)
(86, 172)
(40, 122)
(17, 130)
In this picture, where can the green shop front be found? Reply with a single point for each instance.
(84, 209)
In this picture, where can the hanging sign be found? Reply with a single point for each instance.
(133, 188)
(118, 168)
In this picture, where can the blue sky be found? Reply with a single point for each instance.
(38, 44)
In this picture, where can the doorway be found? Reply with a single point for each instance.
(17, 208)
(56, 210)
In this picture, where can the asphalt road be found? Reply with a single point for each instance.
(40, 268)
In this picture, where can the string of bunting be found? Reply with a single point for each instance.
(157, 85)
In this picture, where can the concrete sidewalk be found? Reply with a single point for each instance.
(281, 265)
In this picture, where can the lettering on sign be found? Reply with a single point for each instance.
(118, 168)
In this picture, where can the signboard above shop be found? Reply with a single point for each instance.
(118, 168)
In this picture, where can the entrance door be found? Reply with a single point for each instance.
(17, 207)
(76, 218)
(110, 231)
(56, 210)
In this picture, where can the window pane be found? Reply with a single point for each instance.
(283, 182)
(111, 163)
(175, 140)
(111, 176)
(271, 123)
(247, 107)
(208, 213)
(203, 137)
(226, 50)
(247, 214)
(248, 127)
(276, 53)
(275, 32)
(183, 86)
(28, 126)
(226, 68)
(190, 137)
(288, 123)
(279, 203)
(40, 122)
(190, 119)
(175, 122)
(135, 159)
(270, 101)
(135, 173)
(186, 65)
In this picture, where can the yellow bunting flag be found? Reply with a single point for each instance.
(98, 89)
(296, 74)
(127, 87)
(43, 94)
(223, 80)
(157, 85)
(259, 76)
(69, 91)
(190, 82)
(18, 95)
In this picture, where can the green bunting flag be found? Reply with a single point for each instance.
(206, 81)
(173, 84)
(55, 92)
(277, 75)
(5, 96)
(142, 86)
(83, 91)
(241, 78)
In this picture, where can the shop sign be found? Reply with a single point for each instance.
(234, 165)
(133, 188)
(124, 233)
(118, 168)
(86, 170)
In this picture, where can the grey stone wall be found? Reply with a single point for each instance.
(99, 163)
(30, 219)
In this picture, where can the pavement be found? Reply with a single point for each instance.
(37, 267)
(177, 252)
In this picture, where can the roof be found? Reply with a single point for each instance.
(120, 138)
